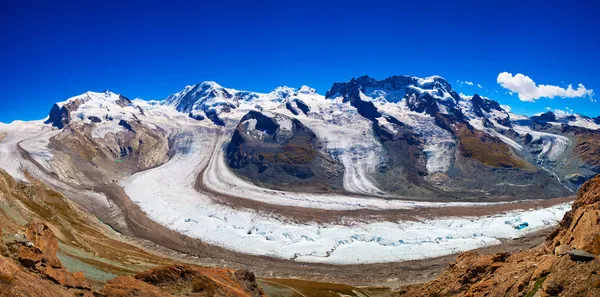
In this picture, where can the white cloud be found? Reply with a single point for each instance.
(479, 86)
(506, 107)
(564, 113)
(527, 90)
(466, 82)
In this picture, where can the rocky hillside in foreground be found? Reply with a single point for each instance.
(73, 254)
(29, 266)
(568, 264)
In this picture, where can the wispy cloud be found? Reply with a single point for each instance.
(563, 113)
(465, 82)
(478, 85)
(527, 90)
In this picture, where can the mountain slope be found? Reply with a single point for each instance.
(52, 247)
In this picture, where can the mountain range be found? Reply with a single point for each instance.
(402, 136)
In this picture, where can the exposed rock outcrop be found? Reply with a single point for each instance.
(36, 251)
(128, 286)
(281, 152)
(41, 273)
(178, 280)
(30, 264)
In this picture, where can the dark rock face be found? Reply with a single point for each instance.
(302, 106)
(405, 163)
(481, 105)
(296, 106)
(390, 83)
(545, 117)
(365, 108)
(288, 106)
(59, 117)
(351, 93)
(263, 152)
(597, 120)
(123, 101)
(94, 119)
(126, 125)
(570, 118)
(197, 117)
(582, 256)
(214, 117)
(423, 103)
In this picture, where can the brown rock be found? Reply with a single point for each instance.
(544, 266)
(30, 257)
(39, 253)
(552, 288)
(42, 238)
(79, 276)
(65, 278)
(562, 249)
(220, 282)
(170, 274)
(128, 286)
(16, 282)
(248, 281)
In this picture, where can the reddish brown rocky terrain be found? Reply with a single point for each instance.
(29, 267)
(566, 264)
(50, 247)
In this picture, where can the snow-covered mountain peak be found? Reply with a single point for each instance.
(93, 108)
(106, 96)
(396, 88)
(430, 95)
(544, 117)
(191, 97)
(307, 90)
(210, 84)
(283, 92)
(431, 79)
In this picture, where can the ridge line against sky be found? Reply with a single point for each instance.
(520, 54)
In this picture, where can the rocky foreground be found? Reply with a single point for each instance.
(566, 265)
(50, 247)
(29, 267)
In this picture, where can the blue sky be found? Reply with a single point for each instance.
(52, 50)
